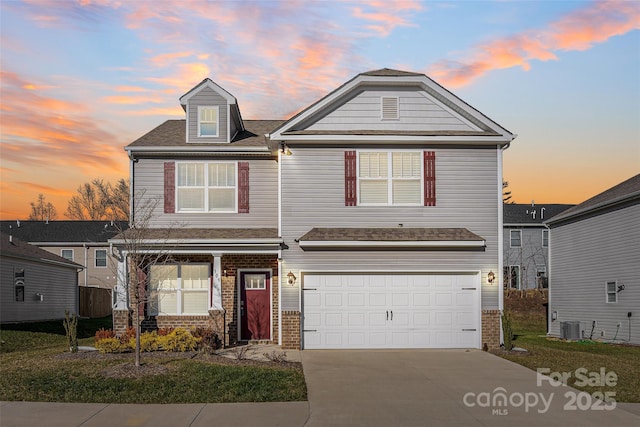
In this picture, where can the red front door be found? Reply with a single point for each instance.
(255, 305)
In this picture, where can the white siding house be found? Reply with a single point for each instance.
(595, 254)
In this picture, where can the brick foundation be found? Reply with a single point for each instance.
(120, 321)
(491, 329)
(291, 330)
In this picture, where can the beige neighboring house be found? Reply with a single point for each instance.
(82, 242)
(35, 284)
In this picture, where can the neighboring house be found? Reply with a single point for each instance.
(82, 242)
(526, 244)
(371, 219)
(595, 273)
(35, 284)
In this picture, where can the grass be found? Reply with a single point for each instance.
(32, 369)
(563, 356)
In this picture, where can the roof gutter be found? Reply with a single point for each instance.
(195, 149)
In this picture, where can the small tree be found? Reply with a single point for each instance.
(41, 210)
(138, 249)
(506, 194)
(507, 330)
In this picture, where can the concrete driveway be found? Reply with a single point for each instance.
(441, 387)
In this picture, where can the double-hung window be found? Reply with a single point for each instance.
(208, 121)
(67, 254)
(545, 238)
(206, 187)
(101, 258)
(179, 289)
(612, 291)
(516, 238)
(390, 178)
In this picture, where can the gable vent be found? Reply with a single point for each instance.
(390, 108)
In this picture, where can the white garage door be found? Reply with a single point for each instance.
(391, 311)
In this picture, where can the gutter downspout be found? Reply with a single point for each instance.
(131, 186)
(86, 261)
(280, 251)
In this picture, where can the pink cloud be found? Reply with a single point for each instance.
(579, 30)
(385, 16)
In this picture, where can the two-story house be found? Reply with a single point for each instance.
(371, 219)
(526, 244)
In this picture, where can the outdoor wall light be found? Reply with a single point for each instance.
(285, 150)
(554, 315)
(291, 278)
(491, 277)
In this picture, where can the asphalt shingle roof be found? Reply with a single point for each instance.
(626, 190)
(201, 233)
(12, 246)
(172, 133)
(63, 231)
(396, 234)
(514, 213)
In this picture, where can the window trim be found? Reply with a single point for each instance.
(95, 258)
(205, 188)
(72, 254)
(180, 290)
(607, 293)
(209, 107)
(518, 276)
(511, 238)
(543, 239)
(390, 178)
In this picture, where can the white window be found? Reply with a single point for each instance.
(545, 238)
(255, 281)
(206, 187)
(390, 107)
(179, 289)
(516, 238)
(101, 258)
(390, 178)
(208, 121)
(612, 291)
(67, 254)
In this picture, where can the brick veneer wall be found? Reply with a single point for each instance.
(491, 328)
(120, 321)
(291, 330)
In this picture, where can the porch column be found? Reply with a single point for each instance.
(216, 288)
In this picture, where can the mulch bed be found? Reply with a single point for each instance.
(155, 363)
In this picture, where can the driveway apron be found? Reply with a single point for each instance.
(438, 387)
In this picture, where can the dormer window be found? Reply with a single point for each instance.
(208, 121)
(390, 107)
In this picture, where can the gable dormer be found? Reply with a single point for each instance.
(212, 113)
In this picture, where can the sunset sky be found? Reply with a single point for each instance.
(82, 79)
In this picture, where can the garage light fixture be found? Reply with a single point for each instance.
(291, 278)
(285, 150)
(491, 277)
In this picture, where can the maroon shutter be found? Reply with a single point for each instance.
(243, 187)
(169, 187)
(429, 178)
(350, 179)
(142, 290)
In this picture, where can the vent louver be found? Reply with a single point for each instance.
(390, 108)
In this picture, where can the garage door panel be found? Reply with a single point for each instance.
(354, 311)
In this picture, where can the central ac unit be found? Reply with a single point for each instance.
(570, 330)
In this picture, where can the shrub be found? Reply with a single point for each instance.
(148, 342)
(507, 330)
(104, 333)
(129, 333)
(109, 345)
(70, 324)
(179, 340)
(209, 340)
(164, 331)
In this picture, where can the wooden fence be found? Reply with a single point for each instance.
(95, 302)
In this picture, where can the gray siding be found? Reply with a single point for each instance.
(467, 196)
(417, 112)
(585, 255)
(531, 255)
(92, 276)
(263, 198)
(206, 97)
(59, 285)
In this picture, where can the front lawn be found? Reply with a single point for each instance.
(34, 366)
(562, 356)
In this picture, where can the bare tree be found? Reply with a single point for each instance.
(138, 250)
(506, 194)
(99, 200)
(41, 210)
